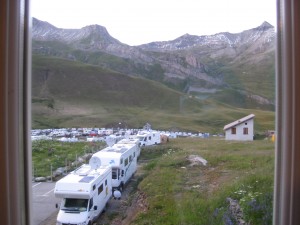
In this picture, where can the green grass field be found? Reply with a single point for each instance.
(178, 193)
(47, 155)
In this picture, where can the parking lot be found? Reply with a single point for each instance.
(43, 201)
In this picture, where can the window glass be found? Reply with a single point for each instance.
(100, 189)
(91, 204)
(73, 203)
(114, 174)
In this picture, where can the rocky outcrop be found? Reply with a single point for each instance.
(236, 212)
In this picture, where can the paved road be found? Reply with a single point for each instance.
(43, 201)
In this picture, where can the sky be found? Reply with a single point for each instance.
(136, 22)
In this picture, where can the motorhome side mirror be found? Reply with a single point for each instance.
(95, 207)
(56, 205)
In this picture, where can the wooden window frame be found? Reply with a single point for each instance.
(15, 117)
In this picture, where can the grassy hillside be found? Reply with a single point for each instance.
(71, 94)
(178, 191)
(98, 58)
(253, 72)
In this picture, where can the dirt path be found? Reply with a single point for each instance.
(124, 211)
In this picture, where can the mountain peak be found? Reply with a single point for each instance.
(45, 31)
(186, 35)
(265, 26)
(39, 24)
(96, 28)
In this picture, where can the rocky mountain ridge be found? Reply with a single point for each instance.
(189, 63)
(265, 31)
(44, 31)
(89, 38)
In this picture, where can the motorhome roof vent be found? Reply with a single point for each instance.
(83, 170)
(86, 179)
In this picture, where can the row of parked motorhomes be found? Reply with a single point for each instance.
(86, 191)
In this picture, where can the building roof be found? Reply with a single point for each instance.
(237, 122)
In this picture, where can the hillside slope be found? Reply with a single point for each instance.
(71, 94)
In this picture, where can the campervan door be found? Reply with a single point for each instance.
(155, 137)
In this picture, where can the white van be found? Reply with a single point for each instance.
(123, 160)
(148, 138)
(85, 193)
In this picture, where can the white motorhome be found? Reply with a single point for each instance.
(123, 160)
(85, 193)
(149, 138)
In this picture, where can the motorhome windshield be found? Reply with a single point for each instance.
(142, 138)
(73, 204)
